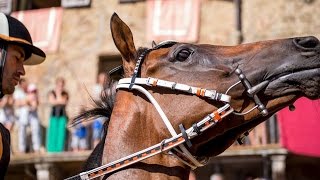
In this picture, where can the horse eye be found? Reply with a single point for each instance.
(183, 54)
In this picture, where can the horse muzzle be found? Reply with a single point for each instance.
(306, 82)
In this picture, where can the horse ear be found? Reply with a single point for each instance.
(123, 39)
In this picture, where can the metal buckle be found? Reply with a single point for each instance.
(251, 93)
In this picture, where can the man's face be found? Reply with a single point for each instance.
(13, 68)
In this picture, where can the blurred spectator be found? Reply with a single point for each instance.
(34, 122)
(58, 98)
(97, 127)
(79, 138)
(26, 102)
(97, 124)
(7, 116)
(97, 88)
(22, 112)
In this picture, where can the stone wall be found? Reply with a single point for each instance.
(85, 35)
(263, 19)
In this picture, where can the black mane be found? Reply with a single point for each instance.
(104, 106)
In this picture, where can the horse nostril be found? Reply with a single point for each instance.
(306, 42)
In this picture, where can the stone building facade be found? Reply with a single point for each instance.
(86, 37)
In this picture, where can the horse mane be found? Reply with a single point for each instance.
(104, 105)
(101, 108)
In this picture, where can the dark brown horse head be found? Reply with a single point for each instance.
(273, 75)
(287, 69)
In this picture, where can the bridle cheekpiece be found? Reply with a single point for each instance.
(175, 144)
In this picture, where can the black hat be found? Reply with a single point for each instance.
(14, 32)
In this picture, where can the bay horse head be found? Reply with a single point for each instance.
(259, 78)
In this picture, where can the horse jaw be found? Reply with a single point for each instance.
(229, 135)
(287, 83)
(305, 82)
(278, 94)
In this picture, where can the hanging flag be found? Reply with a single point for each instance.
(44, 26)
(173, 20)
(300, 129)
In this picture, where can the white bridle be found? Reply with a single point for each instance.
(177, 140)
(210, 94)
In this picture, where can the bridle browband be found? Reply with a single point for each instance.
(177, 140)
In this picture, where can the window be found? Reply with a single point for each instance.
(20, 5)
(107, 63)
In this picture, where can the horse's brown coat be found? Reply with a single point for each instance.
(291, 66)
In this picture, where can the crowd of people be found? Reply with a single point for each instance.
(20, 110)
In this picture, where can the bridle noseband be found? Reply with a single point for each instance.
(177, 140)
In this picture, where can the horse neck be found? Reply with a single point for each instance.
(130, 130)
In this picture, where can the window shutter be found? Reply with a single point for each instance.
(75, 3)
(129, 1)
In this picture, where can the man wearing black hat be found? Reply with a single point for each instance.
(16, 50)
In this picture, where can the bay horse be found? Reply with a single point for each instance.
(199, 98)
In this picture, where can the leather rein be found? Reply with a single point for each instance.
(176, 144)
